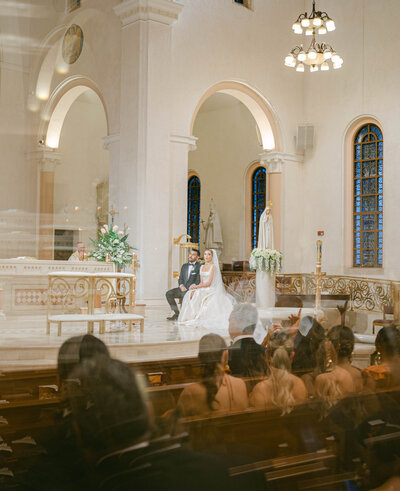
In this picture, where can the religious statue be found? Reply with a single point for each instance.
(213, 233)
(265, 279)
(266, 229)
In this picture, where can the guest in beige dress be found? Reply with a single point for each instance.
(281, 389)
(217, 392)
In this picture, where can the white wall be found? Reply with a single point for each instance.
(367, 35)
(226, 147)
(84, 164)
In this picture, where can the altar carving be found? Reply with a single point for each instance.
(24, 282)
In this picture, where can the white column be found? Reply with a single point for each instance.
(144, 169)
(181, 145)
(284, 190)
(111, 143)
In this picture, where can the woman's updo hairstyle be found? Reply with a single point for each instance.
(342, 338)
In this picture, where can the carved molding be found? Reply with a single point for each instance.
(162, 11)
(274, 161)
(191, 141)
(46, 158)
(110, 140)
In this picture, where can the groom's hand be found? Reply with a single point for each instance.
(183, 289)
(192, 287)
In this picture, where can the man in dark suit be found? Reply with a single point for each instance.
(246, 357)
(189, 275)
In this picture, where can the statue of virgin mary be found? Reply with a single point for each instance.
(266, 229)
(265, 282)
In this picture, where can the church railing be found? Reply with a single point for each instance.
(366, 294)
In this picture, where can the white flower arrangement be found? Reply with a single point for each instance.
(112, 242)
(268, 260)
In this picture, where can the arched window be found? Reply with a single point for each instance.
(258, 201)
(368, 197)
(193, 209)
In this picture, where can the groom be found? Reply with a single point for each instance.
(190, 275)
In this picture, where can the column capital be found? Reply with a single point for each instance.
(191, 141)
(110, 140)
(274, 161)
(46, 159)
(162, 11)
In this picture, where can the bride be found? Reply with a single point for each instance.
(207, 304)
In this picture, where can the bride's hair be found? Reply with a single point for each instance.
(211, 348)
(209, 250)
(280, 349)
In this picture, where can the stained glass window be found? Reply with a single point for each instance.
(258, 201)
(193, 209)
(245, 3)
(368, 197)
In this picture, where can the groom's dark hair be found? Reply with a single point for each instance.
(196, 250)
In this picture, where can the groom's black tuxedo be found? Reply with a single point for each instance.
(189, 275)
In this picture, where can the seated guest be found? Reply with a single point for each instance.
(246, 358)
(112, 422)
(217, 391)
(189, 275)
(281, 389)
(80, 254)
(342, 338)
(327, 381)
(77, 349)
(387, 373)
(309, 334)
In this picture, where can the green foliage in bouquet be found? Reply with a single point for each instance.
(268, 260)
(113, 242)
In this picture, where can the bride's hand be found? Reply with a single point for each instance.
(192, 287)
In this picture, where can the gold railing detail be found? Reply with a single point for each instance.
(366, 294)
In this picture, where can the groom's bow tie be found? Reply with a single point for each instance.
(192, 264)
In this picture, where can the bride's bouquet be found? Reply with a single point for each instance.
(268, 260)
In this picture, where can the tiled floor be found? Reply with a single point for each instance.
(24, 343)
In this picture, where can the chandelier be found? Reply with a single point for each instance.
(318, 54)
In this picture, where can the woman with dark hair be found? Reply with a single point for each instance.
(281, 389)
(310, 333)
(76, 349)
(217, 390)
(387, 372)
(342, 338)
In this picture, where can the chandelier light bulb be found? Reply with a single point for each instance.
(322, 30)
(302, 56)
(312, 54)
(300, 67)
(305, 22)
(297, 27)
(324, 66)
(337, 65)
(327, 54)
(335, 57)
(314, 68)
(289, 60)
(330, 25)
(317, 21)
(309, 31)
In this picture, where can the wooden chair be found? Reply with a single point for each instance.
(387, 310)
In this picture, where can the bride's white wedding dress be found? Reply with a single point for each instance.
(208, 307)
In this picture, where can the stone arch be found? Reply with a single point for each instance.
(258, 106)
(59, 104)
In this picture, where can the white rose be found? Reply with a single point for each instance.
(102, 230)
(106, 227)
(115, 228)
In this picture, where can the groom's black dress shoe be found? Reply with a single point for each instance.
(173, 317)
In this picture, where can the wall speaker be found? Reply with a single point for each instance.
(305, 137)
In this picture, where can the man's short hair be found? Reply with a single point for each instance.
(197, 251)
(245, 316)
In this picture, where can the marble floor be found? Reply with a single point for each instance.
(24, 343)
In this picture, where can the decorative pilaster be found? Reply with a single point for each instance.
(47, 161)
(112, 144)
(274, 161)
(162, 11)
